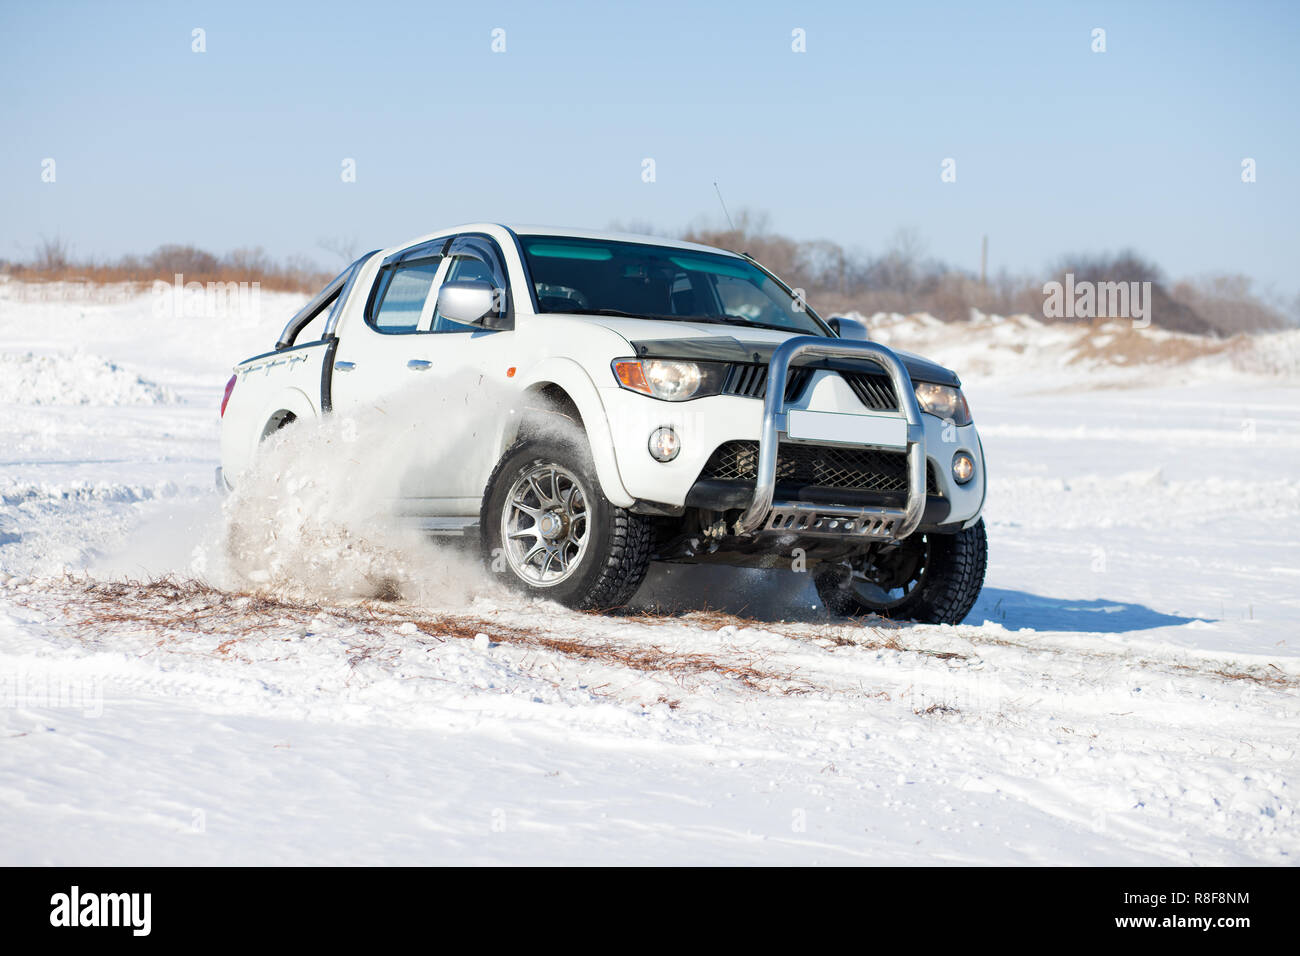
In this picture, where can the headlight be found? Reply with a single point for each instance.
(943, 401)
(670, 380)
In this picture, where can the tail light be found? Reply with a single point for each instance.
(225, 399)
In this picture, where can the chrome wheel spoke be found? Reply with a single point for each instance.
(533, 513)
(542, 501)
(545, 526)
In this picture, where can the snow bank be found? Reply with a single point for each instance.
(74, 378)
(168, 340)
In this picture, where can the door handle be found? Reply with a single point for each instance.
(418, 365)
(344, 366)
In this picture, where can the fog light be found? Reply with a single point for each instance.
(963, 467)
(664, 444)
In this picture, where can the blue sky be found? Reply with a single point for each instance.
(1058, 149)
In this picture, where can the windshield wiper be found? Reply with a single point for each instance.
(716, 319)
(617, 312)
(737, 320)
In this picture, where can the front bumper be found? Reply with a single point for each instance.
(768, 505)
(767, 513)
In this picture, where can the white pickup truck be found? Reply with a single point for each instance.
(669, 402)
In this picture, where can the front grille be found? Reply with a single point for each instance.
(750, 381)
(821, 466)
(874, 390)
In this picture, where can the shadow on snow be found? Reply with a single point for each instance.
(1019, 609)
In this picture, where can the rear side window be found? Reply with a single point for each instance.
(401, 296)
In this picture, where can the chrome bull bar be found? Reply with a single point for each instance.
(799, 517)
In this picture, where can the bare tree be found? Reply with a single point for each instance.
(183, 260)
(345, 247)
(1229, 304)
(52, 254)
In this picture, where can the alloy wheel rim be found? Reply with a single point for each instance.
(545, 525)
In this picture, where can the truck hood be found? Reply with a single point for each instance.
(707, 341)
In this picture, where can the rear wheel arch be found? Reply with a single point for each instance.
(278, 420)
(284, 407)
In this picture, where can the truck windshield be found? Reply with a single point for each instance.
(641, 280)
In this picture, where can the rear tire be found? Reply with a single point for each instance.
(930, 578)
(546, 529)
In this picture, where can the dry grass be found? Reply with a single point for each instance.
(646, 657)
(53, 262)
(140, 280)
(1137, 347)
(1275, 677)
(173, 609)
(935, 710)
(877, 633)
(1278, 680)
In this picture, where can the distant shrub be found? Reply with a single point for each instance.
(52, 261)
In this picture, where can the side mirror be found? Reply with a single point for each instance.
(847, 328)
(467, 300)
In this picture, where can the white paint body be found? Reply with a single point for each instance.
(574, 352)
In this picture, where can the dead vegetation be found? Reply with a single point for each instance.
(870, 633)
(936, 710)
(173, 609)
(899, 277)
(53, 262)
(1119, 343)
(1279, 679)
(1274, 676)
(902, 278)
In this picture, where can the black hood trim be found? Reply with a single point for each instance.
(728, 348)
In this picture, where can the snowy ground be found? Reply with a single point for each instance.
(1126, 691)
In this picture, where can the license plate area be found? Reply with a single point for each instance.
(878, 431)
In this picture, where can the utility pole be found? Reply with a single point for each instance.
(984, 262)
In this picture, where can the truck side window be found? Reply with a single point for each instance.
(402, 291)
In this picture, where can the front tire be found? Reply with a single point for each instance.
(547, 530)
(930, 578)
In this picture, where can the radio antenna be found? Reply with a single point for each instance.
(724, 207)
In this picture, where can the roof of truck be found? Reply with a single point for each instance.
(571, 231)
(581, 233)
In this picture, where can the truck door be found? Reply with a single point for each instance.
(416, 374)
